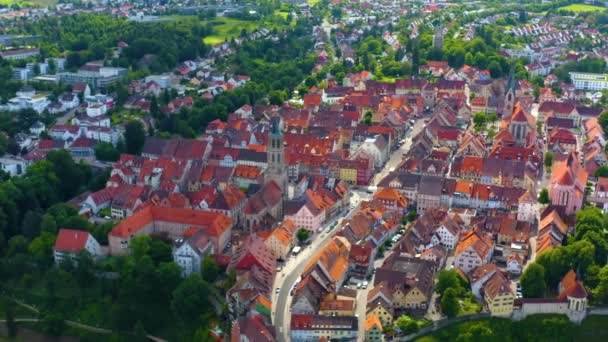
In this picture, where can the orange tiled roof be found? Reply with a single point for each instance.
(214, 223)
(371, 322)
(480, 244)
(334, 258)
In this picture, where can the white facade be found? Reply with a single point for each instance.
(589, 81)
(469, 259)
(97, 110)
(91, 246)
(306, 219)
(446, 238)
(189, 259)
(13, 165)
(526, 211)
(514, 267)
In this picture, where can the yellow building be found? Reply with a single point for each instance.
(348, 175)
(498, 295)
(381, 310)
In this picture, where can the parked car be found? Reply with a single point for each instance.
(364, 284)
(359, 285)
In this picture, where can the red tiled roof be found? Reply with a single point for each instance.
(71, 240)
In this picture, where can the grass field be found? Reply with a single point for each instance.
(228, 28)
(28, 3)
(578, 8)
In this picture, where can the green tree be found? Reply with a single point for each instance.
(449, 303)
(193, 302)
(448, 279)
(54, 324)
(105, 151)
(548, 159)
(11, 325)
(407, 324)
(601, 171)
(30, 226)
(533, 281)
(543, 197)
(139, 333)
(600, 292)
(209, 269)
(303, 234)
(411, 215)
(135, 137)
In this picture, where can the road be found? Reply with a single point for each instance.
(294, 267)
(62, 120)
(397, 156)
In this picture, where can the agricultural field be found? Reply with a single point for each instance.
(578, 8)
(228, 28)
(27, 3)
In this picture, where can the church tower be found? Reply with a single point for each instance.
(509, 102)
(275, 155)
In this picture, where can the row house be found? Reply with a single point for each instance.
(408, 280)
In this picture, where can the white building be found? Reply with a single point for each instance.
(12, 165)
(71, 242)
(189, 255)
(28, 99)
(589, 81)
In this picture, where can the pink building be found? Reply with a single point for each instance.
(568, 181)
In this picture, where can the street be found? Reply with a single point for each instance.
(293, 268)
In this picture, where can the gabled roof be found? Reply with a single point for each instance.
(480, 244)
(71, 240)
(570, 286)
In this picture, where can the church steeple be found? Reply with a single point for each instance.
(275, 153)
(510, 91)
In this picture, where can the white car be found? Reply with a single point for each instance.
(364, 284)
(359, 285)
(278, 290)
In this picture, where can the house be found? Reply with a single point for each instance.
(337, 307)
(253, 257)
(380, 304)
(305, 214)
(479, 276)
(527, 207)
(314, 327)
(515, 264)
(70, 243)
(281, 239)
(37, 128)
(474, 249)
(14, 166)
(189, 254)
(252, 328)
(332, 260)
(392, 199)
(410, 280)
(373, 329)
(170, 221)
(498, 295)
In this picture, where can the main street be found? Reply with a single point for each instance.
(293, 268)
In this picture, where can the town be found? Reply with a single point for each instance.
(304, 170)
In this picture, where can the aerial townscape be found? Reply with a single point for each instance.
(303, 170)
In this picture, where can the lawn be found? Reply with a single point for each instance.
(578, 8)
(469, 306)
(228, 28)
(28, 3)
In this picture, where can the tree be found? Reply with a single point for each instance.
(105, 151)
(548, 159)
(303, 234)
(602, 171)
(533, 281)
(139, 332)
(407, 324)
(30, 226)
(495, 69)
(54, 324)
(135, 136)
(411, 215)
(192, 302)
(448, 279)
(543, 197)
(449, 303)
(479, 119)
(209, 269)
(600, 292)
(11, 325)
